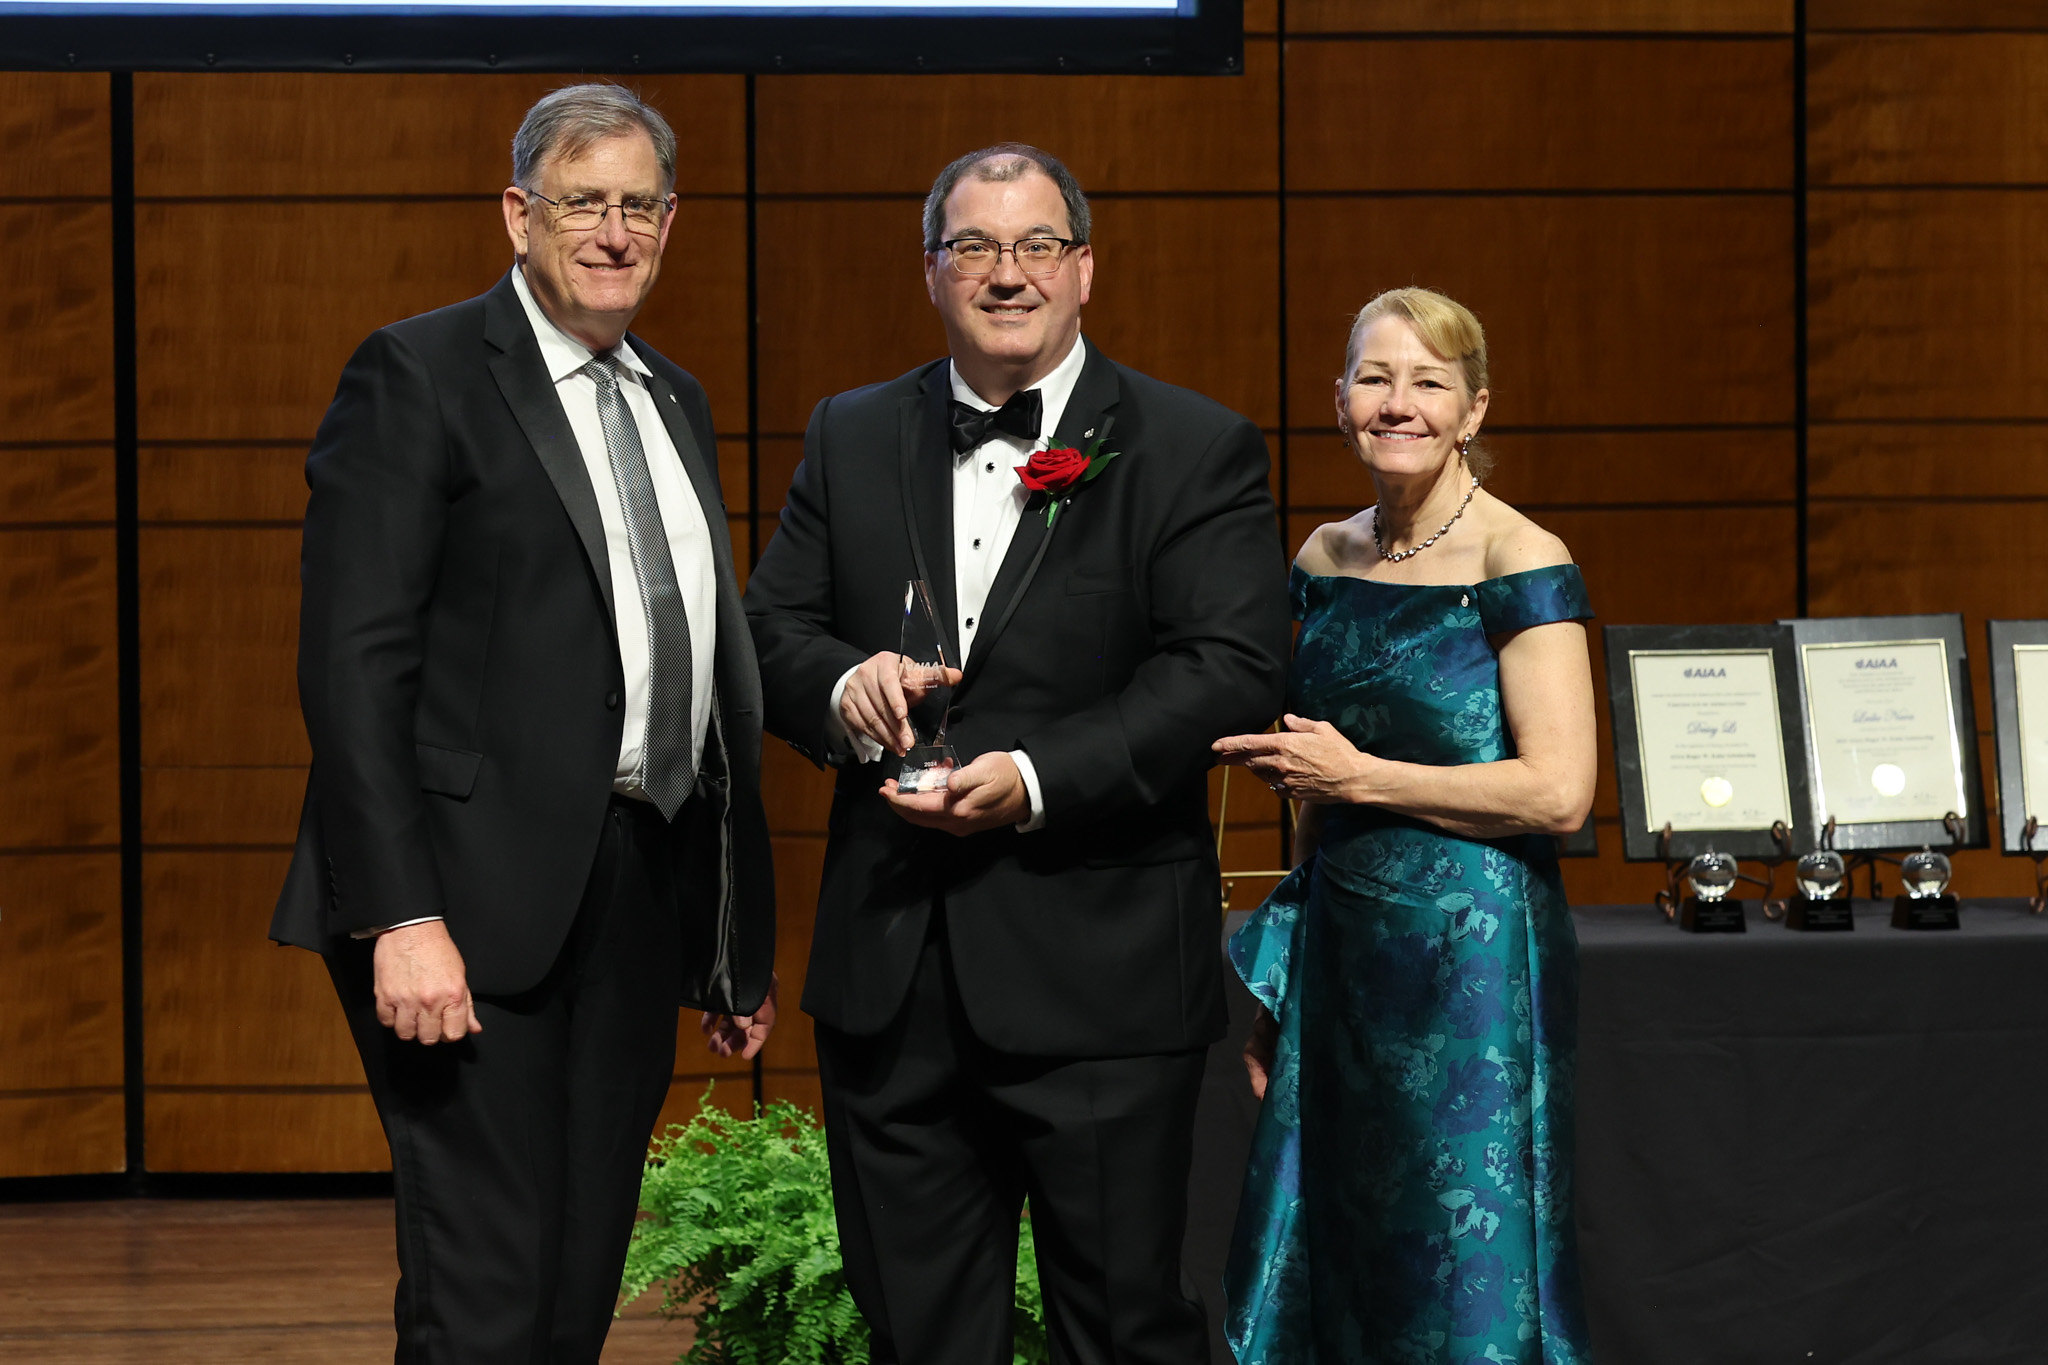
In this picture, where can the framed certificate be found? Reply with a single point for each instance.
(1891, 731)
(1707, 740)
(2019, 710)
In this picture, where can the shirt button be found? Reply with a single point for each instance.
(991, 469)
(611, 701)
(977, 545)
(970, 623)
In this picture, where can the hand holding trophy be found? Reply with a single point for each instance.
(927, 677)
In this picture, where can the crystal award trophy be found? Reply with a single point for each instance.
(1708, 910)
(926, 691)
(1822, 902)
(1926, 902)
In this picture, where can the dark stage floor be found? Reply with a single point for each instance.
(203, 1282)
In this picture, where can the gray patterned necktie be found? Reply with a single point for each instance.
(666, 770)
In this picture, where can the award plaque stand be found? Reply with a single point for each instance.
(1712, 917)
(2038, 902)
(1698, 915)
(1827, 912)
(1829, 915)
(1925, 912)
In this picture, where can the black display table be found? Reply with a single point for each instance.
(1827, 1147)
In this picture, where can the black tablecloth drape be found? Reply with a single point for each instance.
(1825, 1147)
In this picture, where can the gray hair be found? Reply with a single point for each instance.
(564, 122)
(1003, 162)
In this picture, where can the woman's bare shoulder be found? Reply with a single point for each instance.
(1330, 548)
(1515, 544)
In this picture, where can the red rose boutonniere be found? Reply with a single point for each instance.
(1058, 472)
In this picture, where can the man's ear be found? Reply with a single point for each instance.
(515, 203)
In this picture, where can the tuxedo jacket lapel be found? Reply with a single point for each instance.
(523, 379)
(1090, 410)
(926, 473)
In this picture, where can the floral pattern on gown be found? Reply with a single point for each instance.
(1408, 1199)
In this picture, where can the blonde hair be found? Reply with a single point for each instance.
(1448, 328)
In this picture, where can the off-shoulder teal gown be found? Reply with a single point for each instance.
(1408, 1200)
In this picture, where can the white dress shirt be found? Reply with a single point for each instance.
(682, 516)
(988, 502)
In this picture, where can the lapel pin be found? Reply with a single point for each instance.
(1086, 434)
(672, 397)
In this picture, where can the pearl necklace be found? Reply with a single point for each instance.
(1396, 558)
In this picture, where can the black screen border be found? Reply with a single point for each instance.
(1208, 42)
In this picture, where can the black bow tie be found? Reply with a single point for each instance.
(1018, 417)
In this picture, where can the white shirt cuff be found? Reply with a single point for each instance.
(839, 742)
(1029, 773)
(402, 924)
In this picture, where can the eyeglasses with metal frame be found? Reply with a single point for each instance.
(582, 212)
(1033, 255)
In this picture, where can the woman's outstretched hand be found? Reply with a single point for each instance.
(1258, 1050)
(1307, 760)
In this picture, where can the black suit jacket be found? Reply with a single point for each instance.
(1148, 621)
(459, 668)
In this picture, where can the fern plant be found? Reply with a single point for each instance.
(737, 1227)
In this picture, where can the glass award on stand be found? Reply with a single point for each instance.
(926, 691)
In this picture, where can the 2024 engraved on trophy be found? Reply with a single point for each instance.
(926, 675)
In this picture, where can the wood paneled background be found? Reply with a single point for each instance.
(1620, 188)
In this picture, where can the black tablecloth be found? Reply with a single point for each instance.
(1791, 1146)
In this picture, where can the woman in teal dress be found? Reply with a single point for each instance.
(1409, 1197)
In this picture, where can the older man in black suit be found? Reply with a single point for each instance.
(1015, 978)
(534, 822)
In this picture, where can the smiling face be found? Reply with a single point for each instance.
(1405, 406)
(1007, 330)
(591, 283)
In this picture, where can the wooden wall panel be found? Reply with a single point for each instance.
(886, 135)
(212, 807)
(697, 314)
(1599, 311)
(56, 350)
(1916, 462)
(1614, 114)
(63, 1133)
(60, 974)
(61, 1101)
(1928, 109)
(257, 1132)
(216, 990)
(799, 870)
(56, 485)
(222, 361)
(1542, 469)
(798, 795)
(214, 483)
(58, 677)
(1825, 15)
(378, 136)
(220, 613)
(1928, 304)
(55, 137)
(1220, 338)
(1542, 16)
(1882, 556)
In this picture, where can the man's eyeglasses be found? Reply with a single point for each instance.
(582, 212)
(980, 255)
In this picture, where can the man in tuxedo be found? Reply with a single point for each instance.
(1015, 978)
(534, 824)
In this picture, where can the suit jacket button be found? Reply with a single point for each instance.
(611, 701)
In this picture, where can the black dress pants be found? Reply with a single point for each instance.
(517, 1152)
(937, 1140)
